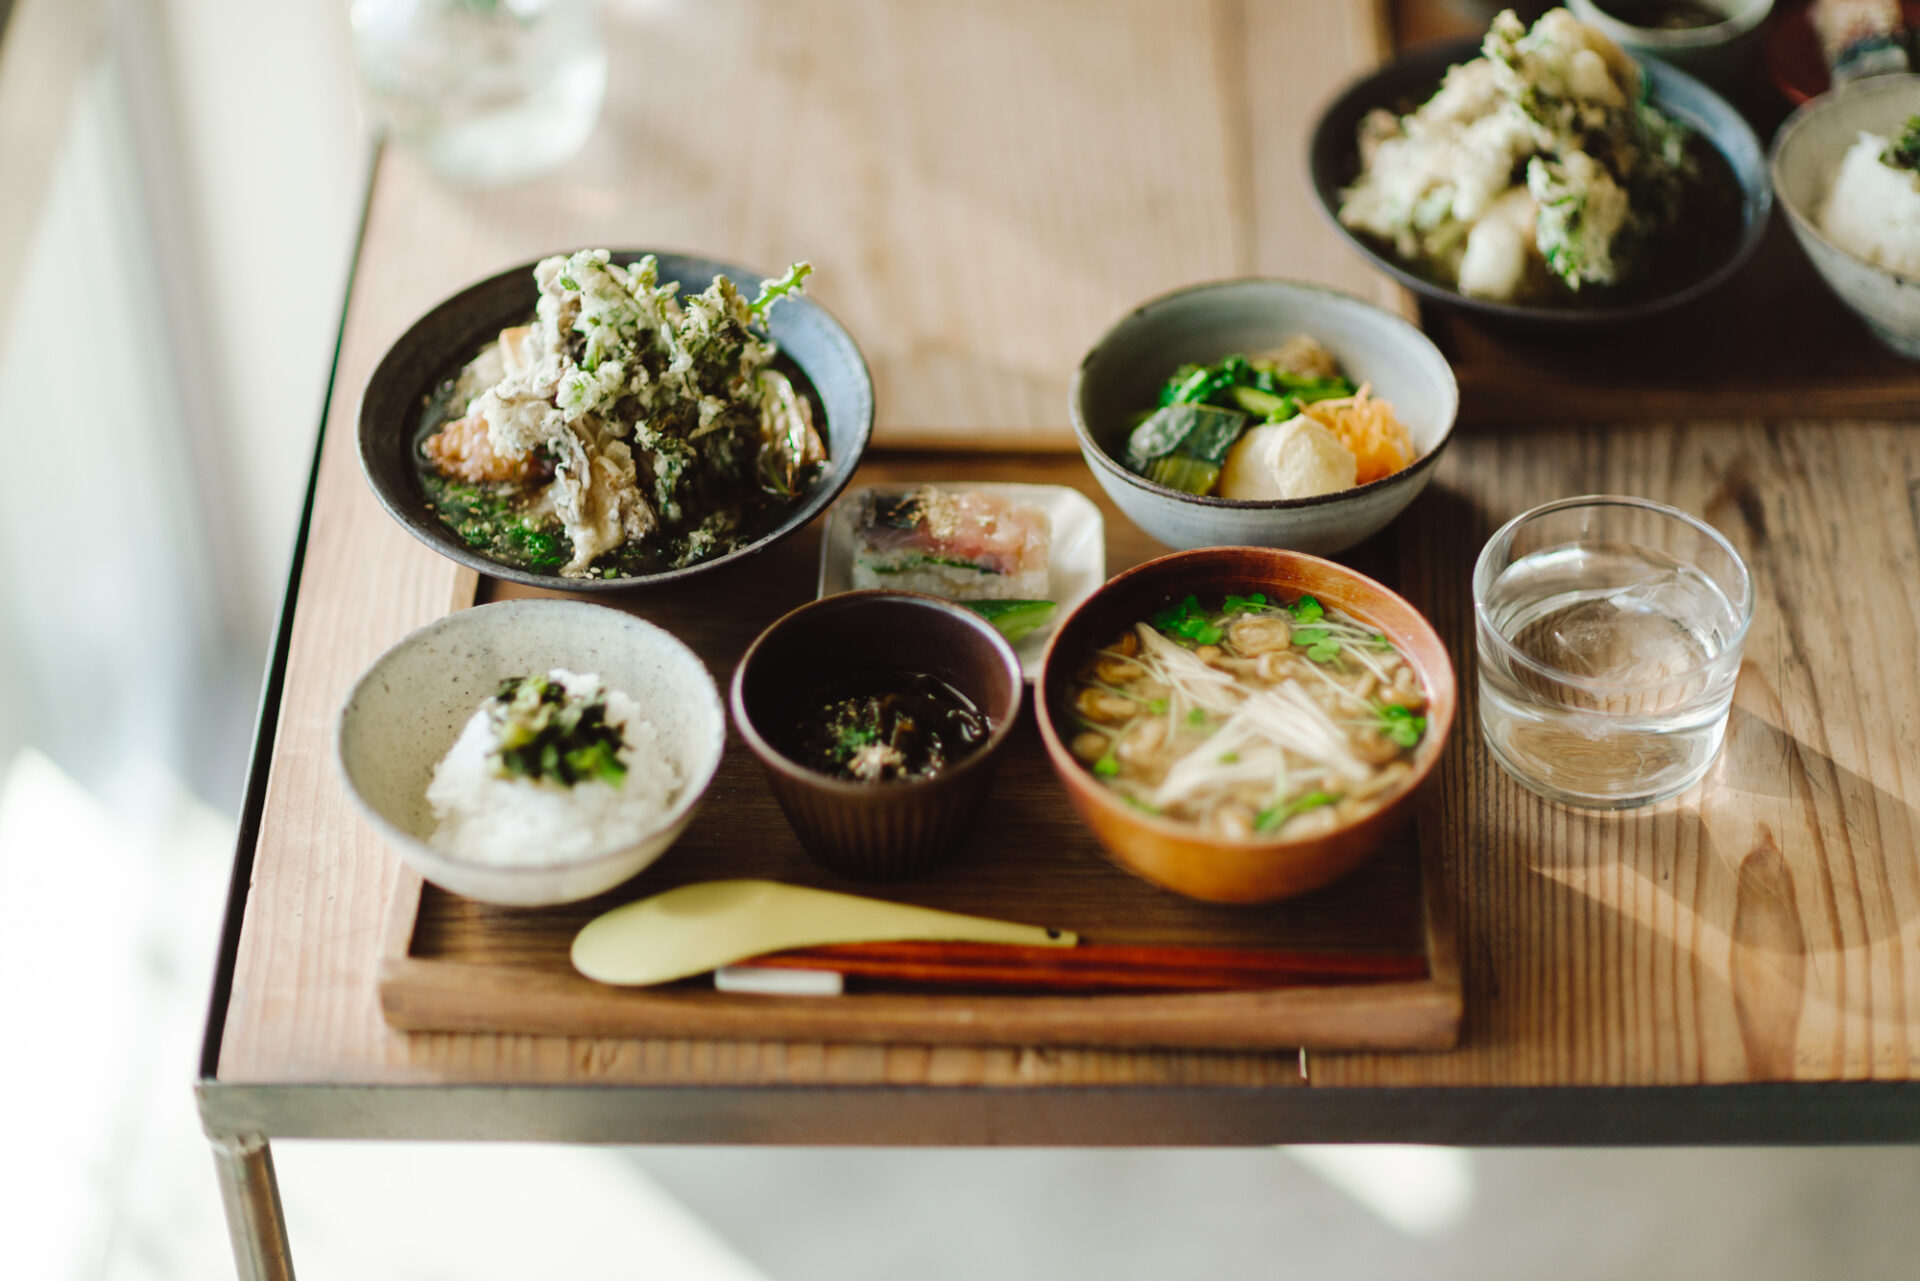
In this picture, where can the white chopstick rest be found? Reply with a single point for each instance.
(771, 980)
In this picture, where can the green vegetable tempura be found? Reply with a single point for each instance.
(626, 430)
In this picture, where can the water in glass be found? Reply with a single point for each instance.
(1614, 679)
(486, 91)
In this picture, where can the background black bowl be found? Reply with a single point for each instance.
(1334, 162)
(441, 342)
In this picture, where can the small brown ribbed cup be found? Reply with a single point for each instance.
(877, 831)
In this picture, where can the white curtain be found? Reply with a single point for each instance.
(179, 188)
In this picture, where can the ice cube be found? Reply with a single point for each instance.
(1601, 640)
(1673, 594)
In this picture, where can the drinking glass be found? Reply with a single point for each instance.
(1609, 632)
(485, 91)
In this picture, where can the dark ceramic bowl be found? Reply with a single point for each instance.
(877, 831)
(1181, 856)
(1724, 53)
(441, 342)
(1334, 162)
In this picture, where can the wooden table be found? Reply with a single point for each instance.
(982, 188)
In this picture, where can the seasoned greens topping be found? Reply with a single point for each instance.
(490, 518)
(544, 732)
(1904, 152)
(1259, 387)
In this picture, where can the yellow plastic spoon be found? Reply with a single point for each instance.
(701, 927)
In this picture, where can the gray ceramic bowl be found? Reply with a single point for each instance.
(876, 831)
(1126, 368)
(1724, 54)
(413, 702)
(441, 342)
(1334, 161)
(1806, 156)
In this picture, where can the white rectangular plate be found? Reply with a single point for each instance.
(1077, 556)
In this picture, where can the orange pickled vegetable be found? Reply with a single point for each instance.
(1367, 426)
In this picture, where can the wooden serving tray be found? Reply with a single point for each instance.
(448, 963)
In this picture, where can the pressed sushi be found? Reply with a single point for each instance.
(959, 544)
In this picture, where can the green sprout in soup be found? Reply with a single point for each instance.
(1253, 718)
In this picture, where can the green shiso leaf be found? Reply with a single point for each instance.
(1014, 619)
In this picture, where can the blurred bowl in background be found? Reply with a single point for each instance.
(1724, 53)
(1795, 63)
(1407, 81)
(1806, 156)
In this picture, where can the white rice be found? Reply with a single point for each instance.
(1873, 210)
(523, 822)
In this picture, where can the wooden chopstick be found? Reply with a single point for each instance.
(1098, 967)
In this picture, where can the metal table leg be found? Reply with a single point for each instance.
(252, 1198)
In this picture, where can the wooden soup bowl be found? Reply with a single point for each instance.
(1180, 856)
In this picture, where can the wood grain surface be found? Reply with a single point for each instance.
(1772, 342)
(982, 188)
(1767, 926)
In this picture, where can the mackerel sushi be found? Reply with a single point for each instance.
(960, 544)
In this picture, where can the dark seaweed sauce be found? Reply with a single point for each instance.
(496, 520)
(1704, 234)
(885, 727)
